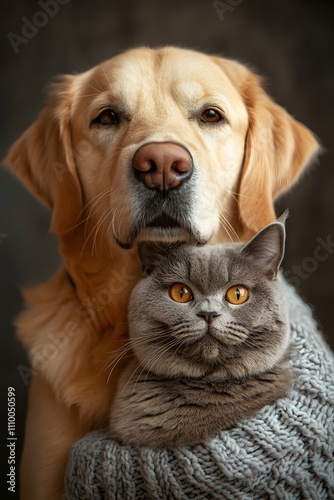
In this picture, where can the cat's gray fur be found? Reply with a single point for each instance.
(190, 378)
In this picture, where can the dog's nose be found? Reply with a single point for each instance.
(162, 165)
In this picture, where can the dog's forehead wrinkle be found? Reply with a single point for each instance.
(164, 69)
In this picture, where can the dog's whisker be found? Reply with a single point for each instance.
(112, 222)
(116, 213)
(89, 235)
(233, 195)
(120, 217)
(237, 195)
(105, 74)
(107, 212)
(98, 90)
(100, 224)
(89, 95)
(228, 227)
(93, 201)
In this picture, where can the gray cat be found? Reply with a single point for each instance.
(210, 333)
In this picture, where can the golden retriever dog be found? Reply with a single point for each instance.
(154, 144)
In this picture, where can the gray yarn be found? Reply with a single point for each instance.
(285, 452)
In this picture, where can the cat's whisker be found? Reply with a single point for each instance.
(122, 352)
(162, 350)
(186, 330)
(111, 364)
(191, 338)
(169, 346)
(115, 355)
(249, 342)
(118, 353)
(178, 326)
(128, 344)
(179, 329)
(127, 356)
(148, 365)
(226, 334)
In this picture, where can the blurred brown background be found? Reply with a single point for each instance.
(290, 42)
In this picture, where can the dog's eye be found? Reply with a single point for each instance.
(107, 117)
(211, 115)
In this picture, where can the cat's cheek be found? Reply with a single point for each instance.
(239, 310)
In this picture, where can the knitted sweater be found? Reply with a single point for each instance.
(285, 452)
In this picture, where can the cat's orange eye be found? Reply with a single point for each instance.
(237, 294)
(180, 293)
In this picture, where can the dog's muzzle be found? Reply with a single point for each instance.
(162, 174)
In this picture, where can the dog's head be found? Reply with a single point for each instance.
(161, 145)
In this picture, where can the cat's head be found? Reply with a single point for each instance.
(211, 309)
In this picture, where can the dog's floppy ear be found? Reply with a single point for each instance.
(277, 149)
(43, 159)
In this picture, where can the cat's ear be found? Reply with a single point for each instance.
(151, 255)
(266, 249)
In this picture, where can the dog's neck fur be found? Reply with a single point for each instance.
(103, 280)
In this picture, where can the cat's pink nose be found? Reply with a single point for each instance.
(208, 315)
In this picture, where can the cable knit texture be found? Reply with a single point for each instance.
(285, 452)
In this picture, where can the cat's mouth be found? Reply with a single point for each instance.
(209, 348)
(205, 348)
